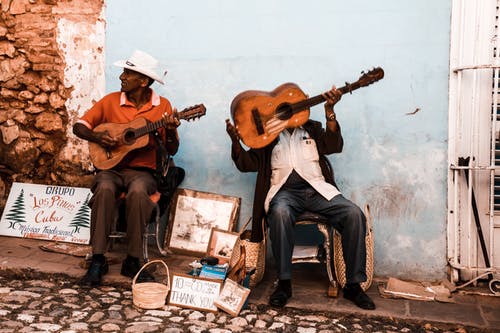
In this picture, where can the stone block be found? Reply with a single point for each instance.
(7, 48)
(18, 6)
(9, 133)
(56, 101)
(48, 122)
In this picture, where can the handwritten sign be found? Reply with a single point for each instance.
(194, 292)
(49, 212)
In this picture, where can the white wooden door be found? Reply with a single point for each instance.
(474, 141)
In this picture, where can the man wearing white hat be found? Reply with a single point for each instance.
(134, 174)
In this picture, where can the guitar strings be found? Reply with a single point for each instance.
(275, 125)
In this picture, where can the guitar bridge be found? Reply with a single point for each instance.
(257, 121)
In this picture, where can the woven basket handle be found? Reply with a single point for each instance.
(369, 220)
(149, 263)
(244, 227)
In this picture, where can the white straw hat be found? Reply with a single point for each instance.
(143, 63)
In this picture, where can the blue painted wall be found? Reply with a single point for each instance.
(392, 160)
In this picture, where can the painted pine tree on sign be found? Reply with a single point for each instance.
(82, 217)
(17, 212)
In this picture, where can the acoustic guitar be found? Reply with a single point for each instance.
(131, 136)
(260, 116)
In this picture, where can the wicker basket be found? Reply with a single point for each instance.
(339, 256)
(255, 253)
(150, 295)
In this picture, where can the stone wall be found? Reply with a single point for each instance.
(35, 91)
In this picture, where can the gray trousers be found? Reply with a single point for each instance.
(342, 214)
(107, 187)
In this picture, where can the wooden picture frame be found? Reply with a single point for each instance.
(232, 297)
(192, 216)
(199, 293)
(221, 244)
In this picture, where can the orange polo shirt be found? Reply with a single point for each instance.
(116, 108)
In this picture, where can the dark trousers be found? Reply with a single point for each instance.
(342, 214)
(107, 187)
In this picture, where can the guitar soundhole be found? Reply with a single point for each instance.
(129, 136)
(284, 111)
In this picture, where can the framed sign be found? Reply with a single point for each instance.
(194, 292)
(193, 215)
(232, 297)
(57, 213)
(221, 244)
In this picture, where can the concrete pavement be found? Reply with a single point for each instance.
(309, 287)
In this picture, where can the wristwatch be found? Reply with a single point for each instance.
(330, 116)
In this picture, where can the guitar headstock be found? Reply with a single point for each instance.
(371, 76)
(192, 112)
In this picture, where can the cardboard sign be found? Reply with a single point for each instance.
(49, 212)
(194, 292)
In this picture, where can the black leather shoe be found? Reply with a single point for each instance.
(94, 274)
(280, 296)
(131, 266)
(355, 294)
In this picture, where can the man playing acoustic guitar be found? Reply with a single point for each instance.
(293, 176)
(134, 174)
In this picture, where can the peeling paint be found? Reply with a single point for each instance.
(81, 43)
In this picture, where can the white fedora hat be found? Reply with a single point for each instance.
(143, 63)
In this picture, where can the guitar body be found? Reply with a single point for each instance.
(260, 116)
(131, 136)
(106, 159)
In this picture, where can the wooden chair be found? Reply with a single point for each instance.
(324, 255)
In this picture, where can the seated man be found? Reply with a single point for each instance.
(135, 173)
(292, 177)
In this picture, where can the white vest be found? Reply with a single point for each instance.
(297, 151)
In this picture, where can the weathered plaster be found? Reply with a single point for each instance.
(82, 45)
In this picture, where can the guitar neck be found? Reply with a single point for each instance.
(150, 127)
(307, 103)
(188, 113)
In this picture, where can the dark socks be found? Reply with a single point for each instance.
(99, 257)
(286, 285)
(132, 259)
